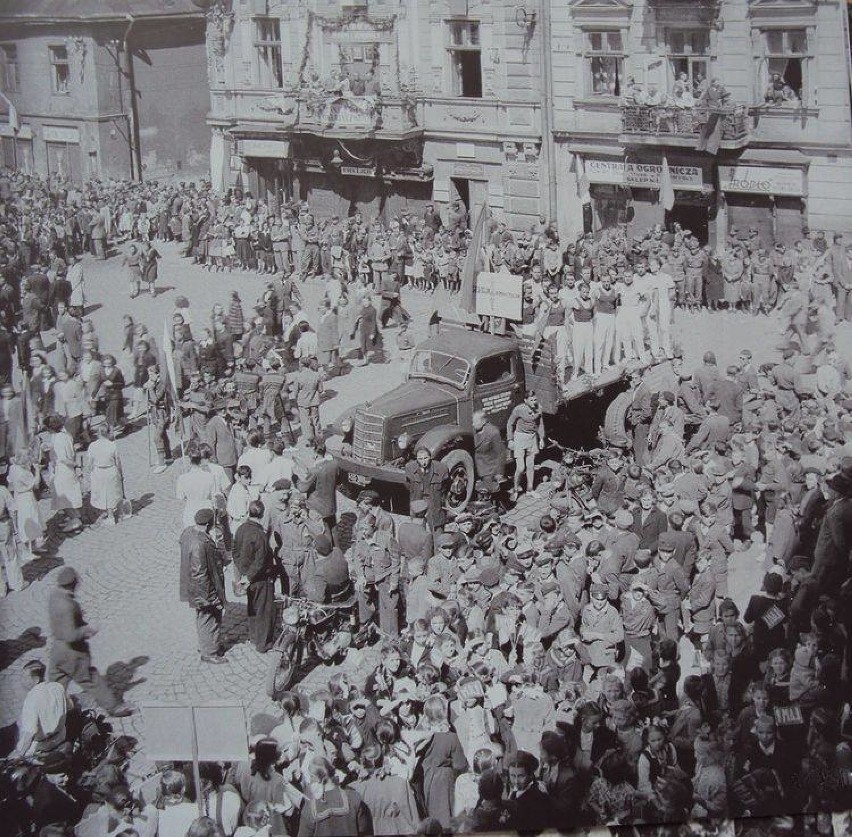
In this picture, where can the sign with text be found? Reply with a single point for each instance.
(499, 295)
(645, 175)
(762, 180)
(358, 171)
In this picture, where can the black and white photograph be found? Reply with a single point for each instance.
(425, 417)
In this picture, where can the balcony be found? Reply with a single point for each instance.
(346, 117)
(354, 117)
(696, 127)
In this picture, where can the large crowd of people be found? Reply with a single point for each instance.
(593, 668)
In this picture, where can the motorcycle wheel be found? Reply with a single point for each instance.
(287, 667)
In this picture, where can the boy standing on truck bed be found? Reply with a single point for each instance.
(525, 432)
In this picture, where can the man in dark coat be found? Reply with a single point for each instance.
(489, 449)
(834, 541)
(254, 562)
(320, 488)
(367, 327)
(648, 522)
(220, 437)
(530, 807)
(205, 584)
(427, 480)
(70, 658)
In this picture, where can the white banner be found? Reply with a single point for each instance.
(499, 295)
(762, 180)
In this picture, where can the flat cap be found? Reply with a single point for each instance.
(667, 541)
(204, 517)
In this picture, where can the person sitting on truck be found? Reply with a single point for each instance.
(525, 430)
(427, 480)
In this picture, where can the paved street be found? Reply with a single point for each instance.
(129, 574)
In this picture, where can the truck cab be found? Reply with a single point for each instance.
(451, 376)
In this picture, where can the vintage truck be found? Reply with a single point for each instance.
(459, 371)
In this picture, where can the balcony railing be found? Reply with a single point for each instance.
(664, 122)
(358, 114)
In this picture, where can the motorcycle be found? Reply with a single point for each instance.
(313, 632)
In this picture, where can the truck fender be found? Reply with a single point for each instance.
(441, 439)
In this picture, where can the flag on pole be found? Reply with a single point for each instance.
(667, 195)
(475, 261)
(583, 184)
(169, 359)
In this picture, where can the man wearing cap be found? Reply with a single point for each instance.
(205, 586)
(427, 480)
(220, 437)
(330, 582)
(608, 485)
(834, 541)
(601, 628)
(374, 565)
(706, 376)
(70, 658)
(639, 416)
(41, 729)
(442, 570)
(672, 586)
(254, 562)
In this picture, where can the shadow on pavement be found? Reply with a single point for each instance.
(120, 676)
(142, 502)
(41, 566)
(234, 629)
(90, 309)
(12, 649)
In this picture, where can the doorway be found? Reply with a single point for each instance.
(461, 191)
(691, 216)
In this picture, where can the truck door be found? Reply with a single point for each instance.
(498, 387)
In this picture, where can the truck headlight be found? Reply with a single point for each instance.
(403, 441)
(346, 425)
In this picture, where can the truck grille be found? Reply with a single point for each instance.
(367, 438)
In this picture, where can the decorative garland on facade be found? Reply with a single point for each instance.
(338, 24)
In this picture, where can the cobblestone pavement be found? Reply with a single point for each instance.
(129, 573)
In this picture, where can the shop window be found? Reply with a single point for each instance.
(604, 62)
(60, 70)
(9, 68)
(465, 54)
(784, 70)
(267, 47)
(689, 58)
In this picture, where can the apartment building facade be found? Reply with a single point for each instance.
(767, 146)
(105, 90)
(380, 105)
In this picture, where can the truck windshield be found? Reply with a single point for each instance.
(437, 366)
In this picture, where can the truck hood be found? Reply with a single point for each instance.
(427, 399)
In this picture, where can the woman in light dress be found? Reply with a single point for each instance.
(67, 490)
(106, 479)
(23, 479)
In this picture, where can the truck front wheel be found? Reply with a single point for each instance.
(460, 465)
